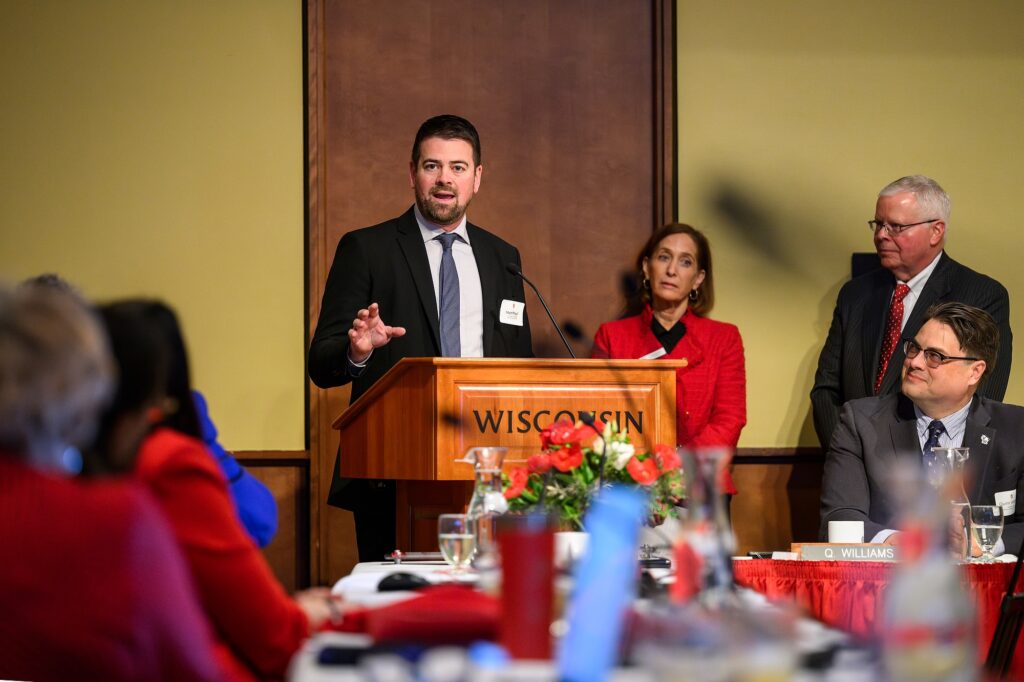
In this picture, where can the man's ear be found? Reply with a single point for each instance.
(977, 372)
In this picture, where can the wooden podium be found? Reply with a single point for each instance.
(416, 423)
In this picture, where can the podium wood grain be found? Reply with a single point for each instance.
(418, 421)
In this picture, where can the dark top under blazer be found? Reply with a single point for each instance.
(875, 433)
(387, 264)
(849, 360)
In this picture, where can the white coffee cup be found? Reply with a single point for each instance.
(846, 531)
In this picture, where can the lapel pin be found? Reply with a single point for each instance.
(984, 440)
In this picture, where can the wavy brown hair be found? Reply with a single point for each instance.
(706, 293)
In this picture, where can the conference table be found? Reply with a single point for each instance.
(850, 595)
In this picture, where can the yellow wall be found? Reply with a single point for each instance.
(155, 148)
(793, 115)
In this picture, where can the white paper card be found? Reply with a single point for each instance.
(512, 312)
(1008, 501)
(654, 354)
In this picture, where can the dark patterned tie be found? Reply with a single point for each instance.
(448, 282)
(893, 326)
(935, 430)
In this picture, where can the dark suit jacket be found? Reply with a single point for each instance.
(875, 433)
(387, 264)
(849, 359)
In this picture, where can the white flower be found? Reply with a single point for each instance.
(619, 454)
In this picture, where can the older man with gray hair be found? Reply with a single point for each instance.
(862, 355)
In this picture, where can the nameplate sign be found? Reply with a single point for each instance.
(821, 551)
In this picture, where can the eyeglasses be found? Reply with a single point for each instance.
(932, 358)
(896, 228)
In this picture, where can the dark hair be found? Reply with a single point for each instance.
(140, 353)
(447, 127)
(706, 293)
(974, 328)
(182, 417)
(50, 280)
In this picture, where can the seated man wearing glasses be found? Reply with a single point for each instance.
(945, 362)
(862, 356)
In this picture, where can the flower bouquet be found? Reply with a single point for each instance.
(566, 474)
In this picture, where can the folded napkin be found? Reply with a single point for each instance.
(443, 614)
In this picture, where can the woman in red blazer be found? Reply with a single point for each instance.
(711, 390)
(258, 626)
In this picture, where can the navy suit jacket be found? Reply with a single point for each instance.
(875, 433)
(849, 360)
(387, 264)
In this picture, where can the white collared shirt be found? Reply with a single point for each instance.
(955, 424)
(471, 299)
(917, 284)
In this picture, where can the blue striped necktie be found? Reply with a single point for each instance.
(448, 282)
(935, 430)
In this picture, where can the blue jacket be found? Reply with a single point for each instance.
(254, 503)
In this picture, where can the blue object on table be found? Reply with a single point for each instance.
(254, 503)
(605, 586)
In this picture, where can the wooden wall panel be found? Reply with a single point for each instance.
(574, 102)
(286, 475)
(778, 501)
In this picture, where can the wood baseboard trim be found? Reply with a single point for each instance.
(760, 455)
(264, 456)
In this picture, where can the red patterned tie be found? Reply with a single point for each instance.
(893, 326)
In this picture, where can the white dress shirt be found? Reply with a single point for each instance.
(471, 299)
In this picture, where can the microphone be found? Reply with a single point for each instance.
(518, 272)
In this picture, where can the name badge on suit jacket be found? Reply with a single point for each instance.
(1008, 501)
(511, 312)
(654, 354)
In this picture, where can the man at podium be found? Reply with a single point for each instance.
(425, 284)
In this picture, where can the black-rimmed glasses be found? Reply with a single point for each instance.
(932, 358)
(896, 228)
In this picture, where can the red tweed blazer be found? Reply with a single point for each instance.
(711, 391)
(258, 625)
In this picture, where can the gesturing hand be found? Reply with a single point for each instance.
(369, 332)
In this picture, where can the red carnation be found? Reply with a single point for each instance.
(668, 458)
(645, 472)
(539, 464)
(567, 458)
(517, 479)
(562, 432)
(545, 438)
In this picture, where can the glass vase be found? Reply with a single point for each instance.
(487, 504)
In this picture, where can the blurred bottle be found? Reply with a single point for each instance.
(704, 548)
(487, 504)
(928, 627)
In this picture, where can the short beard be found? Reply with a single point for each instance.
(440, 215)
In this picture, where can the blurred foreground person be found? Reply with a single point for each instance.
(257, 625)
(678, 291)
(92, 586)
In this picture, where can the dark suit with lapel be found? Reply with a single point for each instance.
(875, 433)
(849, 360)
(387, 264)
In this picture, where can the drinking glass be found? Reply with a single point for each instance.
(456, 540)
(986, 527)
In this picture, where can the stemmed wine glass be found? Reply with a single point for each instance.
(986, 527)
(457, 541)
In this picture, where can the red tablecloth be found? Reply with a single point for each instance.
(848, 595)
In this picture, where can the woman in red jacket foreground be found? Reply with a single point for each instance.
(258, 626)
(678, 291)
